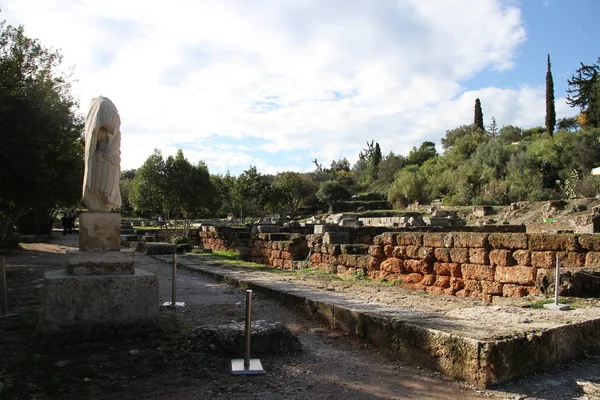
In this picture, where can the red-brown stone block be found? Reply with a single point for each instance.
(428, 280)
(393, 266)
(387, 238)
(478, 256)
(470, 239)
(374, 263)
(376, 251)
(362, 261)
(388, 250)
(426, 254)
(494, 288)
(502, 257)
(419, 266)
(412, 251)
(442, 254)
(514, 291)
(572, 259)
(447, 269)
(516, 274)
(511, 241)
(592, 259)
(477, 272)
(459, 255)
(412, 278)
(589, 242)
(399, 252)
(437, 240)
(436, 290)
(287, 264)
(472, 288)
(286, 255)
(457, 284)
(275, 254)
(442, 282)
(543, 259)
(522, 257)
(409, 239)
(548, 242)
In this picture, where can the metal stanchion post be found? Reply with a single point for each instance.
(174, 302)
(5, 313)
(247, 366)
(556, 305)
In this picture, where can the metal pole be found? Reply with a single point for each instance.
(248, 328)
(557, 283)
(174, 281)
(4, 290)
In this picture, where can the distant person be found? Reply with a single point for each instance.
(65, 223)
(72, 218)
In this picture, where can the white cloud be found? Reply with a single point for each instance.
(316, 77)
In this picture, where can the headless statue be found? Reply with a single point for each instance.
(102, 157)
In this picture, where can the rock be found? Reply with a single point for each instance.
(267, 338)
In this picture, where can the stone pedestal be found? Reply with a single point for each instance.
(100, 287)
(86, 302)
(99, 231)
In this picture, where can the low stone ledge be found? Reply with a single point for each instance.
(158, 248)
(99, 262)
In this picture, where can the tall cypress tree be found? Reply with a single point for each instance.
(550, 110)
(478, 116)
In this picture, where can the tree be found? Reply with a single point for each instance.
(493, 128)
(41, 157)
(407, 187)
(452, 135)
(331, 192)
(252, 190)
(374, 161)
(147, 190)
(478, 120)
(567, 124)
(423, 153)
(584, 92)
(550, 110)
(294, 188)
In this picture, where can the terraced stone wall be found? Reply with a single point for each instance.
(470, 264)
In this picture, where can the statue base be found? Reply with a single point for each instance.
(100, 231)
(100, 262)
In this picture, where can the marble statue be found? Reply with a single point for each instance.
(102, 157)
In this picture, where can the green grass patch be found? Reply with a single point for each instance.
(540, 303)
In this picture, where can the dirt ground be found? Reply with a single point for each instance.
(160, 363)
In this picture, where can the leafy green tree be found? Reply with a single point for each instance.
(584, 92)
(510, 134)
(294, 188)
(550, 109)
(252, 190)
(225, 193)
(331, 192)
(567, 124)
(423, 153)
(42, 144)
(478, 119)
(340, 165)
(388, 167)
(147, 193)
(493, 128)
(453, 135)
(407, 187)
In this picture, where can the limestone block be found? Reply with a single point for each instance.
(322, 228)
(99, 262)
(159, 248)
(336, 237)
(86, 301)
(99, 231)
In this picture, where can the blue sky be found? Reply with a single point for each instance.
(278, 83)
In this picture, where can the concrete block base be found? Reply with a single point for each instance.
(99, 231)
(73, 302)
(100, 262)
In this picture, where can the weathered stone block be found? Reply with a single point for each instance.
(512, 241)
(99, 231)
(354, 248)
(412, 251)
(514, 291)
(159, 248)
(388, 250)
(543, 259)
(516, 274)
(409, 239)
(428, 280)
(376, 251)
(447, 269)
(437, 240)
(442, 254)
(392, 266)
(74, 302)
(100, 262)
(544, 242)
(477, 272)
(418, 266)
(478, 256)
(470, 239)
(374, 263)
(522, 257)
(442, 282)
(386, 238)
(592, 259)
(572, 259)
(426, 254)
(502, 257)
(336, 237)
(589, 242)
(412, 278)
(459, 255)
(493, 288)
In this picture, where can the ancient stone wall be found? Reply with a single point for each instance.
(473, 264)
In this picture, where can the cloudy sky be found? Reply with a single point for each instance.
(278, 83)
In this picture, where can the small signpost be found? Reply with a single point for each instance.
(5, 313)
(174, 302)
(556, 305)
(247, 366)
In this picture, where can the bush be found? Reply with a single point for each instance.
(177, 240)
